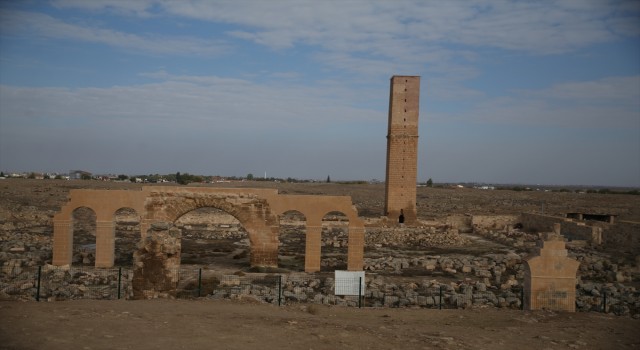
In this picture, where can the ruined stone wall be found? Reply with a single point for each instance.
(544, 223)
(494, 221)
(538, 223)
(156, 261)
(622, 234)
(402, 148)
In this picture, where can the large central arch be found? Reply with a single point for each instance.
(256, 209)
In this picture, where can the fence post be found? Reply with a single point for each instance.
(279, 290)
(359, 292)
(604, 302)
(199, 281)
(38, 283)
(522, 298)
(119, 281)
(440, 304)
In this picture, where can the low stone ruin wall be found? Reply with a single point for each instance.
(624, 235)
(544, 223)
(494, 221)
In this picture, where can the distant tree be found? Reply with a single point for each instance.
(31, 176)
(58, 177)
(249, 176)
(122, 177)
(429, 183)
(85, 177)
(1, 174)
(179, 179)
(328, 179)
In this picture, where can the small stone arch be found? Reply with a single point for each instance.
(176, 208)
(253, 212)
(211, 235)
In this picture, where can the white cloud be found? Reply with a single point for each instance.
(371, 26)
(606, 103)
(185, 102)
(381, 38)
(613, 90)
(42, 25)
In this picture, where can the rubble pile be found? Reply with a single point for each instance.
(413, 237)
(508, 236)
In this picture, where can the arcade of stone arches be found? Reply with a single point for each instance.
(257, 210)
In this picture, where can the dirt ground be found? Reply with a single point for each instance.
(206, 324)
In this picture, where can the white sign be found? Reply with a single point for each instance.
(349, 283)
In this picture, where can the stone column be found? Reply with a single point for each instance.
(264, 254)
(264, 246)
(313, 245)
(62, 242)
(145, 225)
(156, 262)
(105, 243)
(355, 255)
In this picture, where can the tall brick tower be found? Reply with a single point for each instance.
(402, 149)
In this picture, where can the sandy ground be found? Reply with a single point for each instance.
(206, 324)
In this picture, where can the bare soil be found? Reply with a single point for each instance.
(180, 324)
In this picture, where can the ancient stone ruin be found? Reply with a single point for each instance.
(156, 262)
(550, 277)
(402, 150)
(257, 210)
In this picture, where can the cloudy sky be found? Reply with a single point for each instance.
(544, 92)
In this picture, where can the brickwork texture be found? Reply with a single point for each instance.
(402, 149)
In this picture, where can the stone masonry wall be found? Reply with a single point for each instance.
(402, 148)
(622, 234)
(156, 261)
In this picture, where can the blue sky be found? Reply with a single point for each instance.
(541, 92)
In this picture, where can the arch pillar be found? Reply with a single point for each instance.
(313, 244)
(355, 254)
(145, 225)
(264, 252)
(62, 242)
(105, 243)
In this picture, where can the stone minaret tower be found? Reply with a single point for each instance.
(402, 149)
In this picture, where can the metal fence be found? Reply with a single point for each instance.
(58, 283)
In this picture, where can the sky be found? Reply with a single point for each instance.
(518, 92)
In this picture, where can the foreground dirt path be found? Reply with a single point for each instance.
(205, 324)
